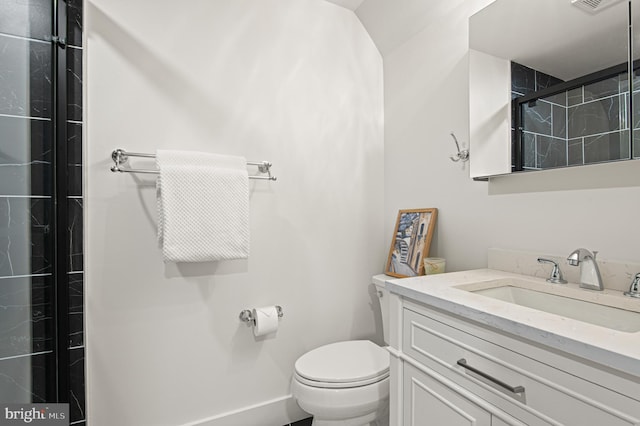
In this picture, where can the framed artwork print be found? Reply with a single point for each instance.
(411, 241)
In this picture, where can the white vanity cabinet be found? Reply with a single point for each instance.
(447, 370)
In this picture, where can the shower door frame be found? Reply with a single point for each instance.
(59, 385)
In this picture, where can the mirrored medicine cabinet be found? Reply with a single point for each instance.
(552, 84)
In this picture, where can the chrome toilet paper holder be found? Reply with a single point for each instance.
(247, 315)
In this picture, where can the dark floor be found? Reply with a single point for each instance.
(305, 422)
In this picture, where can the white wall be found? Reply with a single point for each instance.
(426, 97)
(297, 82)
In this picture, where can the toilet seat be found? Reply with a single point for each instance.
(343, 365)
(341, 385)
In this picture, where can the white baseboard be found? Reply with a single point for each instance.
(276, 412)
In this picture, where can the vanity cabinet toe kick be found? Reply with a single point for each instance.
(448, 370)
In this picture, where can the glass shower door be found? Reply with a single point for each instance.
(41, 255)
(27, 332)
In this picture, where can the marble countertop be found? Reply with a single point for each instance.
(617, 349)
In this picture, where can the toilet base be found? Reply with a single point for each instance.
(377, 418)
(371, 419)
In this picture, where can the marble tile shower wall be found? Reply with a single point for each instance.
(26, 202)
(581, 126)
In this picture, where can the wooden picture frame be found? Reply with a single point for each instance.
(411, 242)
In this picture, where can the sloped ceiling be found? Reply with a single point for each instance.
(349, 4)
(391, 22)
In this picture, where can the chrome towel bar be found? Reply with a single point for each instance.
(120, 157)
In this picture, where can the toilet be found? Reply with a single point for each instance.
(346, 383)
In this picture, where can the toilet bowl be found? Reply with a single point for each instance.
(345, 383)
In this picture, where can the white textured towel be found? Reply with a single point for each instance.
(203, 206)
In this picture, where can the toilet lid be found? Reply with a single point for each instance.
(344, 362)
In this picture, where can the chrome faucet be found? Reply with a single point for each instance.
(634, 289)
(556, 274)
(589, 272)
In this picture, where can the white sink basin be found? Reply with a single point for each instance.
(605, 310)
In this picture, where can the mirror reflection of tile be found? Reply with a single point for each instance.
(584, 125)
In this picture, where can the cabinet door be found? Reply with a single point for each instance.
(428, 402)
(489, 114)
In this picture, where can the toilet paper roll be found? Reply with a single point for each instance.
(266, 320)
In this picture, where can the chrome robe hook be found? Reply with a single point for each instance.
(461, 154)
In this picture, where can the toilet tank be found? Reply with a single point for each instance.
(383, 297)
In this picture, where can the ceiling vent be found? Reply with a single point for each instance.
(594, 6)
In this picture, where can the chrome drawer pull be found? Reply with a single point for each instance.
(517, 389)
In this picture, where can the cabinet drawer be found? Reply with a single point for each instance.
(490, 369)
(432, 399)
(427, 401)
